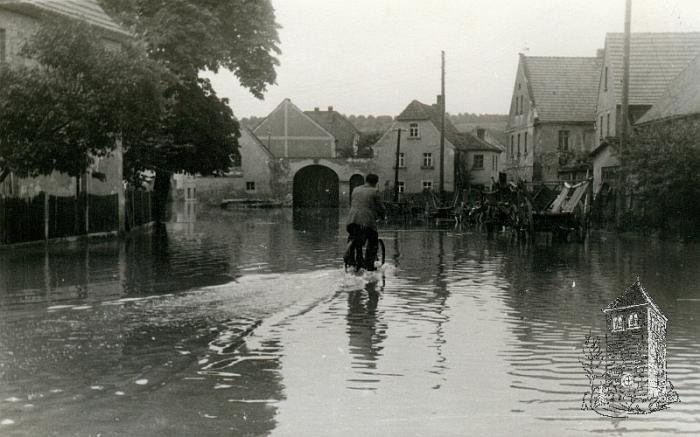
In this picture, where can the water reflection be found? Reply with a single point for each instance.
(366, 331)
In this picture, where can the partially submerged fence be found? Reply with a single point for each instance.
(46, 217)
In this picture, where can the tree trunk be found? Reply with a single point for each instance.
(161, 191)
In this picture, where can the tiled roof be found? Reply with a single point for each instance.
(563, 88)
(681, 98)
(335, 123)
(464, 140)
(86, 10)
(656, 59)
(634, 295)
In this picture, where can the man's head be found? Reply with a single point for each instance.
(372, 179)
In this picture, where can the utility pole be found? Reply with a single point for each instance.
(624, 110)
(396, 168)
(442, 132)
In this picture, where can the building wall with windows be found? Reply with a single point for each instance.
(251, 174)
(419, 163)
(551, 116)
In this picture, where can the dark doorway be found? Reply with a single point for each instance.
(315, 186)
(355, 181)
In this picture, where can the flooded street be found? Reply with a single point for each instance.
(243, 323)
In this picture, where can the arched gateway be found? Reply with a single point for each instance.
(315, 186)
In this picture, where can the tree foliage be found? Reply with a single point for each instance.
(73, 99)
(187, 37)
(661, 164)
(191, 36)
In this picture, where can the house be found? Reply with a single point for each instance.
(636, 345)
(18, 21)
(551, 122)
(291, 133)
(251, 174)
(656, 59)
(346, 134)
(467, 159)
(495, 137)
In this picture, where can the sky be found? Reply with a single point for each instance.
(373, 57)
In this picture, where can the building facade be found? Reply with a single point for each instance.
(551, 121)
(656, 59)
(467, 159)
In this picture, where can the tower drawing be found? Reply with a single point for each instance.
(635, 346)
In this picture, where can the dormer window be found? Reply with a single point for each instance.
(617, 323)
(633, 321)
(413, 131)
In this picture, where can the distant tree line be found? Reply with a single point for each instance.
(372, 124)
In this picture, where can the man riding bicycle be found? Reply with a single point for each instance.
(366, 207)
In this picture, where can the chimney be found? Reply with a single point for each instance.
(439, 100)
(599, 53)
(316, 109)
(481, 133)
(330, 109)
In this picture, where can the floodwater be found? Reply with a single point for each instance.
(243, 323)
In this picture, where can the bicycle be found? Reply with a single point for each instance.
(356, 247)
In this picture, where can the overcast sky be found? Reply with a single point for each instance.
(373, 57)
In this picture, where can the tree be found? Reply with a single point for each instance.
(661, 164)
(77, 99)
(188, 37)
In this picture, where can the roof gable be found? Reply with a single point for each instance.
(335, 123)
(562, 88)
(416, 111)
(656, 59)
(634, 295)
(287, 120)
(681, 98)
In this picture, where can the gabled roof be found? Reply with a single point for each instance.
(335, 123)
(88, 11)
(562, 89)
(681, 98)
(635, 295)
(256, 140)
(416, 111)
(656, 59)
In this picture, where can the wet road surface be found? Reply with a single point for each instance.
(243, 323)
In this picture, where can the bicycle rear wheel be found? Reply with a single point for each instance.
(381, 253)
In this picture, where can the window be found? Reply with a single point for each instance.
(402, 187)
(605, 79)
(2, 46)
(494, 162)
(250, 186)
(563, 140)
(402, 159)
(478, 161)
(427, 185)
(518, 144)
(525, 144)
(601, 127)
(512, 147)
(413, 131)
(617, 323)
(608, 125)
(235, 159)
(427, 160)
(633, 321)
